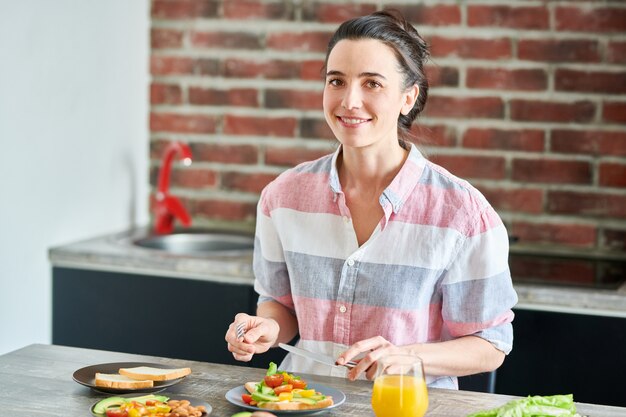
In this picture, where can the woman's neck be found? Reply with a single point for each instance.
(370, 170)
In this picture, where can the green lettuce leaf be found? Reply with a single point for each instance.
(534, 406)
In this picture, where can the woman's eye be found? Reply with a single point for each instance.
(373, 84)
(335, 82)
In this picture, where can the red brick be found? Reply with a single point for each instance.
(434, 135)
(165, 94)
(182, 123)
(248, 182)
(591, 19)
(542, 269)
(312, 69)
(613, 240)
(334, 13)
(166, 38)
(546, 111)
(471, 48)
(293, 99)
(293, 156)
(442, 76)
(167, 65)
(514, 199)
(529, 140)
(590, 81)
(260, 126)
(592, 204)
(467, 166)
(564, 50)
(430, 15)
(614, 112)
(255, 9)
(315, 128)
(303, 42)
(231, 97)
(508, 17)
(506, 79)
(589, 142)
(616, 52)
(184, 9)
(576, 235)
(270, 69)
(227, 40)
(465, 107)
(612, 174)
(223, 209)
(229, 154)
(193, 178)
(551, 171)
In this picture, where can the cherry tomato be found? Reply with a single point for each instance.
(283, 388)
(116, 412)
(273, 380)
(246, 398)
(298, 383)
(150, 402)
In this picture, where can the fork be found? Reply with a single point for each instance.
(240, 330)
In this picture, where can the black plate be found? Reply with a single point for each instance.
(234, 397)
(193, 400)
(87, 376)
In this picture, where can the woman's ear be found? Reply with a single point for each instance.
(410, 97)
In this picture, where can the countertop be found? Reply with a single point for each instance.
(114, 253)
(37, 381)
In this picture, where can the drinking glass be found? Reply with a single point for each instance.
(399, 387)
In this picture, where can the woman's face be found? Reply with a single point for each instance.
(363, 94)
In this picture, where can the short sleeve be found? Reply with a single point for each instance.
(477, 291)
(270, 270)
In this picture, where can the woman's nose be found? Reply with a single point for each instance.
(352, 98)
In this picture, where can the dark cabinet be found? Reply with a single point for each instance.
(161, 316)
(559, 353)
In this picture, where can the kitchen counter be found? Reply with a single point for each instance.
(114, 253)
(37, 381)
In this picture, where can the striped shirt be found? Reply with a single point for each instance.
(434, 269)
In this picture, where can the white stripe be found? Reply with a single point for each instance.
(482, 256)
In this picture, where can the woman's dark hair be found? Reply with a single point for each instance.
(391, 28)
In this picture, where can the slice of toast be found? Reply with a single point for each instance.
(121, 382)
(154, 374)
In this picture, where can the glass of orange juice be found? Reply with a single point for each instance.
(400, 387)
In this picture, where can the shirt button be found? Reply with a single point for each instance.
(350, 262)
(343, 309)
(346, 219)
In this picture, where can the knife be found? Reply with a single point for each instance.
(317, 357)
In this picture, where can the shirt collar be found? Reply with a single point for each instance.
(401, 186)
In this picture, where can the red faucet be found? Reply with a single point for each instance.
(168, 207)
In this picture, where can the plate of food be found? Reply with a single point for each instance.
(129, 377)
(152, 405)
(282, 393)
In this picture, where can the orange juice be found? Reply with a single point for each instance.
(399, 396)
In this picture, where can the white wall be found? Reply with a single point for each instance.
(74, 83)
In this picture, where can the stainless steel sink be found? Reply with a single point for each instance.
(198, 243)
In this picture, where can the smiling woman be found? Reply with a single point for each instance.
(374, 250)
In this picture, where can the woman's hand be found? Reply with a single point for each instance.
(374, 349)
(260, 334)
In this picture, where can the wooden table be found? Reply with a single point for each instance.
(37, 381)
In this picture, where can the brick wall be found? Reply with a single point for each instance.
(527, 102)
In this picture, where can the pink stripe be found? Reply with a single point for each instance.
(447, 208)
(309, 198)
(401, 327)
(458, 329)
(286, 300)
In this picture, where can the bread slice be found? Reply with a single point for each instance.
(154, 374)
(292, 405)
(121, 382)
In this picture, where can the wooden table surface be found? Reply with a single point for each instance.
(37, 381)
